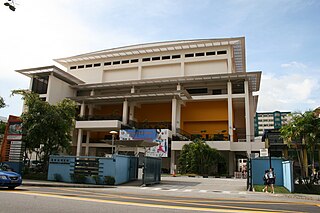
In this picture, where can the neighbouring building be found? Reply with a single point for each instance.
(269, 120)
(192, 88)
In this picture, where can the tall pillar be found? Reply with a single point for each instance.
(79, 144)
(230, 111)
(247, 110)
(179, 114)
(80, 133)
(132, 89)
(87, 143)
(131, 112)
(125, 112)
(174, 116)
(172, 162)
(231, 163)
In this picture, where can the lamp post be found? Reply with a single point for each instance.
(113, 136)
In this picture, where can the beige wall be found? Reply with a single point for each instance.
(214, 64)
(161, 71)
(120, 74)
(206, 67)
(58, 90)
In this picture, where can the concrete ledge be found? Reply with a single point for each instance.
(62, 184)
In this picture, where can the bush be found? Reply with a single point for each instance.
(109, 180)
(57, 177)
(78, 178)
(96, 178)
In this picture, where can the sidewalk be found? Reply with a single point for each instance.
(212, 184)
(42, 183)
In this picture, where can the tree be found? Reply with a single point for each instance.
(47, 127)
(2, 104)
(303, 128)
(198, 158)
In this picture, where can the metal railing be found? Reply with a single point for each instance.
(99, 117)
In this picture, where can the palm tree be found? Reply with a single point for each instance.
(303, 128)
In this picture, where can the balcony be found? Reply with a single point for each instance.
(225, 145)
(99, 122)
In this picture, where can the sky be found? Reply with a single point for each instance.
(282, 39)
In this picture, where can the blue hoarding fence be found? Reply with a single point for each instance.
(93, 169)
(283, 170)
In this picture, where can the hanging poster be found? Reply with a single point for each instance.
(161, 136)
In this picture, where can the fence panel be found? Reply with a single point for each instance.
(288, 181)
(151, 170)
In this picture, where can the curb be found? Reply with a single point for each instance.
(55, 184)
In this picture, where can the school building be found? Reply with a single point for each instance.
(192, 88)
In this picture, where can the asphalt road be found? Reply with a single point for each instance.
(133, 199)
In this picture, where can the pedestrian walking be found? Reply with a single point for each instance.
(272, 179)
(266, 181)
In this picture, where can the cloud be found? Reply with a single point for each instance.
(294, 65)
(292, 92)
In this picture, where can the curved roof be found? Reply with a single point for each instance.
(238, 44)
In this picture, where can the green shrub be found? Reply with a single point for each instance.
(96, 178)
(58, 177)
(78, 178)
(109, 180)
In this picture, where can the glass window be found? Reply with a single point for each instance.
(40, 85)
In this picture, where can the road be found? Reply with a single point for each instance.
(144, 199)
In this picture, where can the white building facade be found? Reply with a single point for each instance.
(194, 88)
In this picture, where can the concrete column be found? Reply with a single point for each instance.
(80, 133)
(179, 87)
(179, 114)
(132, 89)
(174, 116)
(49, 87)
(247, 110)
(182, 69)
(231, 163)
(229, 60)
(230, 111)
(125, 112)
(87, 143)
(82, 109)
(139, 70)
(172, 162)
(79, 143)
(131, 112)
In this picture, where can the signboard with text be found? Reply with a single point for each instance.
(161, 136)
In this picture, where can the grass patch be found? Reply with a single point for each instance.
(277, 189)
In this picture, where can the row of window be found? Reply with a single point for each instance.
(156, 58)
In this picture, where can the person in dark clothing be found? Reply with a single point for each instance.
(272, 179)
(266, 181)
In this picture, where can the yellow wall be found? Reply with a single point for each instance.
(153, 112)
(109, 110)
(211, 116)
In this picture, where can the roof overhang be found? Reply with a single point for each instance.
(254, 79)
(238, 44)
(133, 96)
(131, 143)
(48, 70)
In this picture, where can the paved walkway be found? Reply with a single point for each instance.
(180, 184)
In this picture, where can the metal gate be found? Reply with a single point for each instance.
(86, 166)
(151, 170)
(134, 164)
